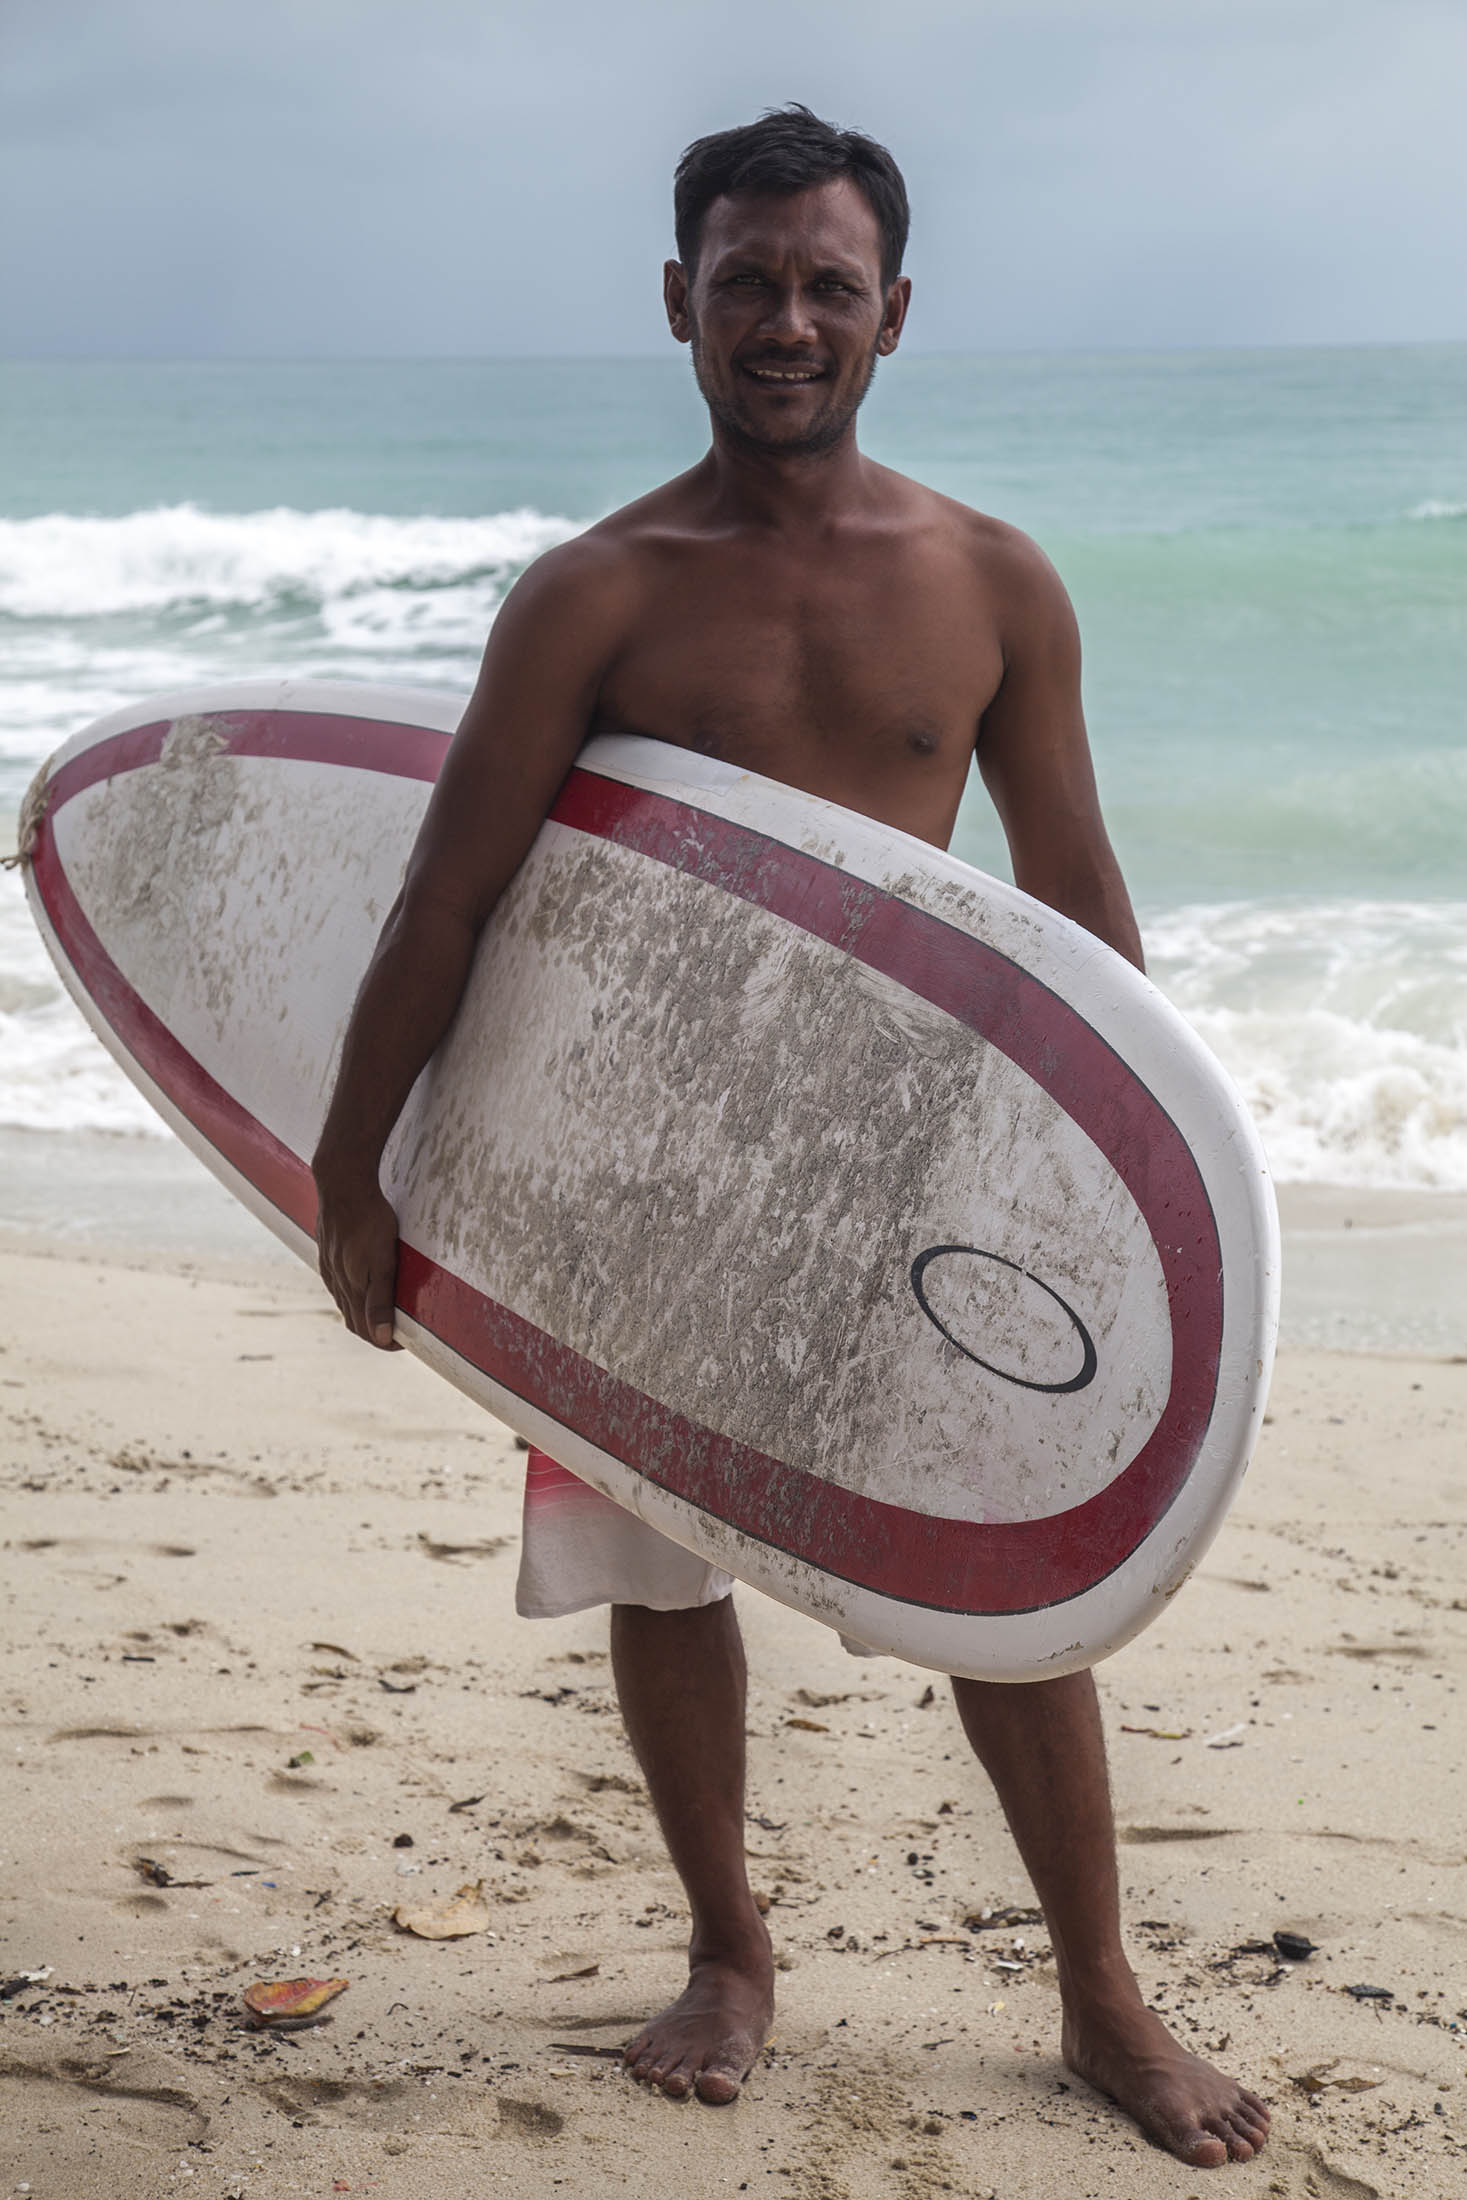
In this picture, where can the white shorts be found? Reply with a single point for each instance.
(580, 1550)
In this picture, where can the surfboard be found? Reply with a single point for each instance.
(858, 1222)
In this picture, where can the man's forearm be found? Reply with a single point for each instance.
(408, 999)
(1107, 912)
(1090, 894)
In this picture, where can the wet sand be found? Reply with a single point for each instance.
(259, 1631)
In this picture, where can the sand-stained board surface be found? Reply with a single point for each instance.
(860, 1223)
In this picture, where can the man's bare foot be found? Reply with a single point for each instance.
(706, 2041)
(1124, 2050)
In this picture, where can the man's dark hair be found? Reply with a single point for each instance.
(788, 149)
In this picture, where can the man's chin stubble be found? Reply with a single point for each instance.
(821, 438)
(829, 429)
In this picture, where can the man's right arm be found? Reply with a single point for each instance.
(518, 738)
(1034, 755)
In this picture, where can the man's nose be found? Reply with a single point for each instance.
(788, 318)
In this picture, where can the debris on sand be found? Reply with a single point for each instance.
(486, 1547)
(463, 1913)
(991, 1921)
(158, 1875)
(289, 2004)
(1318, 2078)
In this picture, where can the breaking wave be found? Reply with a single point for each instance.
(1344, 1025)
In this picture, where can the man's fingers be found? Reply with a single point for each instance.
(378, 1306)
(335, 1282)
(350, 1298)
(357, 1256)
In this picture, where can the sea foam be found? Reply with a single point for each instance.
(178, 558)
(96, 612)
(1344, 1025)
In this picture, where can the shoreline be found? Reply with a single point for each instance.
(1365, 1269)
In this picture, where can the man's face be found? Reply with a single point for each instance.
(787, 316)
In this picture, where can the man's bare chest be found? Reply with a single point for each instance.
(843, 685)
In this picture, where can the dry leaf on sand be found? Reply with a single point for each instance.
(291, 2001)
(464, 1913)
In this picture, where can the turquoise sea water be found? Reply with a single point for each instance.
(1268, 553)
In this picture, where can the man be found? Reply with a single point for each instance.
(797, 609)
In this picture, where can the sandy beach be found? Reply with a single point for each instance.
(263, 1684)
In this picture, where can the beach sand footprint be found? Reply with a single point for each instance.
(380, 2103)
(1307, 2173)
(391, 2104)
(528, 2119)
(96, 2107)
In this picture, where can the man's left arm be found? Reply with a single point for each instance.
(1034, 755)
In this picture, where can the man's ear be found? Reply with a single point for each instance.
(675, 298)
(898, 298)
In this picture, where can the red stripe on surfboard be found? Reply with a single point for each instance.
(120, 752)
(294, 736)
(243, 1141)
(970, 1567)
(921, 1559)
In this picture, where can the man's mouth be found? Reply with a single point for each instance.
(786, 376)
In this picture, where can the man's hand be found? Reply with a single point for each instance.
(356, 1240)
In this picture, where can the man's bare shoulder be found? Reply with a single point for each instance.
(602, 574)
(1001, 556)
(590, 571)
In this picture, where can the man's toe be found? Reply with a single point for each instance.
(1203, 2149)
(1244, 2139)
(719, 2084)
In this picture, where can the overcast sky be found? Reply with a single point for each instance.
(295, 178)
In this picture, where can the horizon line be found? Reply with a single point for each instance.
(646, 358)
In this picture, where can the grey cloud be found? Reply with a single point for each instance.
(429, 176)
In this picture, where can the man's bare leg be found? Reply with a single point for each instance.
(1043, 1747)
(680, 1678)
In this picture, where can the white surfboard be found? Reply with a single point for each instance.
(861, 1224)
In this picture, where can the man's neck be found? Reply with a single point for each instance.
(791, 492)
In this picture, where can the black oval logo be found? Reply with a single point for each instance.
(1088, 1362)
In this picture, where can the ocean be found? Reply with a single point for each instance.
(1267, 551)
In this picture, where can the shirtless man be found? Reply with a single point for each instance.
(795, 608)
